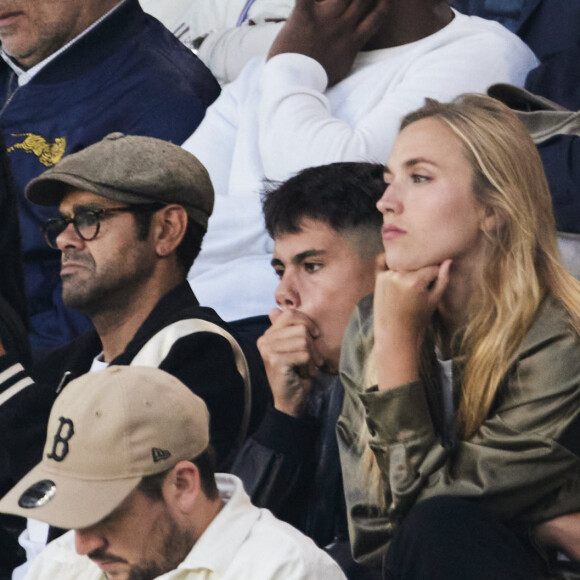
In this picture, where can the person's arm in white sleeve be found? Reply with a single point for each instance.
(298, 127)
(225, 52)
(214, 140)
(227, 46)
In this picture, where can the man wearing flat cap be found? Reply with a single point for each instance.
(132, 215)
(72, 71)
(131, 473)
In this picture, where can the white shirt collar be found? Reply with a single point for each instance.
(221, 540)
(24, 76)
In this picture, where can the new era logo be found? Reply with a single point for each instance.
(160, 454)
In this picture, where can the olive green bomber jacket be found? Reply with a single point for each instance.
(524, 462)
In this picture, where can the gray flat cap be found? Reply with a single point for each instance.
(130, 169)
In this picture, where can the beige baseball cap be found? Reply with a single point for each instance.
(130, 169)
(106, 431)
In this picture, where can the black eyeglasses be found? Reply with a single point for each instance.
(87, 221)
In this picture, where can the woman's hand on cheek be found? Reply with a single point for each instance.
(404, 303)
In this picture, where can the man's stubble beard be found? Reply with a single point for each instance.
(176, 546)
(107, 291)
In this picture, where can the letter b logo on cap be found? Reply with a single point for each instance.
(63, 435)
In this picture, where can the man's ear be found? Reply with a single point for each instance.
(168, 227)
(182, 488)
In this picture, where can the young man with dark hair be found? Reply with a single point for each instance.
(326, 193)
(327, 234)
(131, 282)
(126, 468)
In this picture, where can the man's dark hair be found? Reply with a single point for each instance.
(343, 195)
(189, 246)
(151, 485)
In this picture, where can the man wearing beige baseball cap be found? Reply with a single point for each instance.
(132, 214)
(127, 466)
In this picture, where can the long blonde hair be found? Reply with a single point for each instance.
(522, 261)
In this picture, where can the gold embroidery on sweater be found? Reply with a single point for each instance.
(48, 153)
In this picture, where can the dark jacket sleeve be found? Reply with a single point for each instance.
(274, 464)
(24, 410)
(13, 311)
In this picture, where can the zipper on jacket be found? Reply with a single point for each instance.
(10, 92)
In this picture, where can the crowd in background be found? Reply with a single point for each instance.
(336, 223)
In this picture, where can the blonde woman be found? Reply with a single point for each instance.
(462, 373)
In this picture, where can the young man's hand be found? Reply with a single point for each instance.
(331, 32)
(291, 359)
